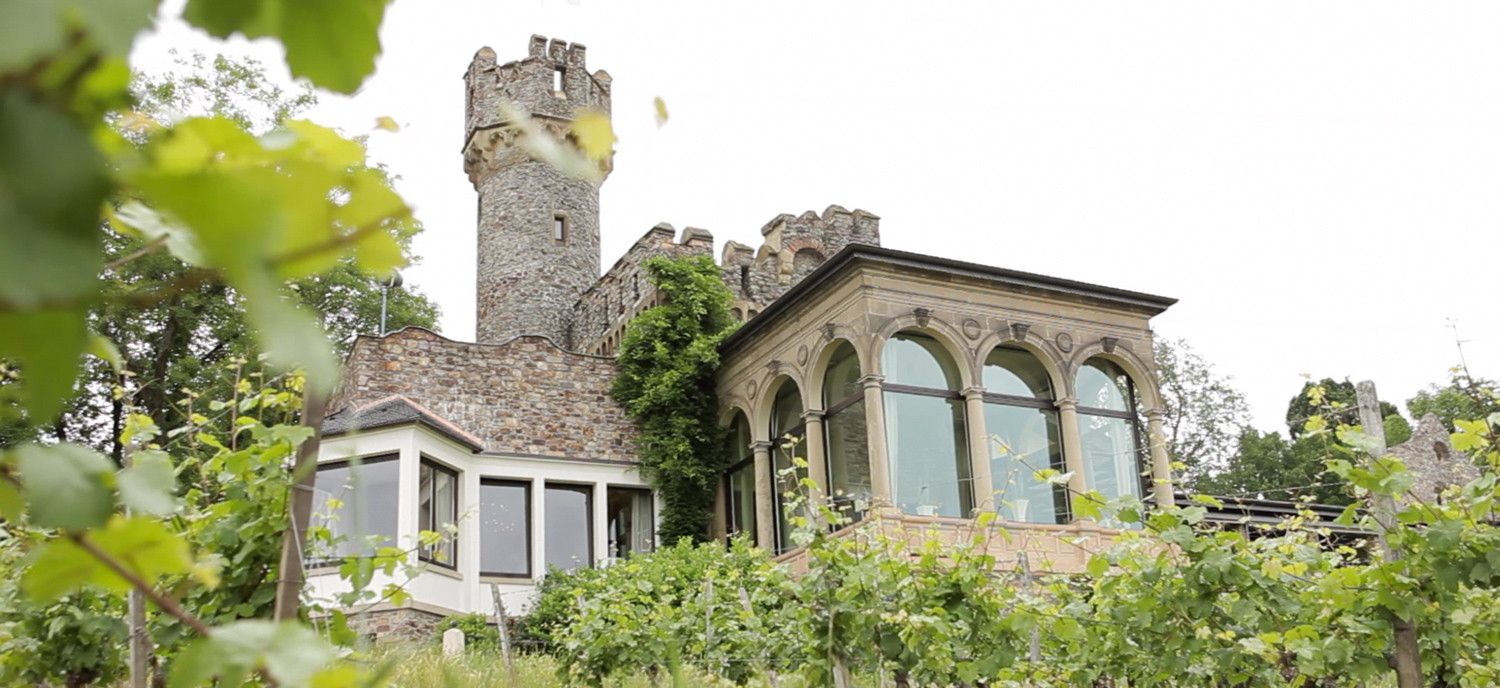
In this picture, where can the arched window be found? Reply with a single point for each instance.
(924, 425)
(846, 432)
(1021, 419)
(1109, 429)
(739, 480)
(788, 439)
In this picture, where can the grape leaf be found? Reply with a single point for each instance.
(64, 484)
(148, 483)
(332, 43)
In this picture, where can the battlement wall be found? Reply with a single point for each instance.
(793, 247)
(528, 83)
(600, 316)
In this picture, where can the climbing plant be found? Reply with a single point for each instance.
(667, 362)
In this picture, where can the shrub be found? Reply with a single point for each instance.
(478, 633)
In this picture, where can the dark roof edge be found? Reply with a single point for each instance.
(889, 256)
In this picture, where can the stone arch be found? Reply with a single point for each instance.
(1055, 365)
(1140, 372)
(730, 405)
(946, 335)
(760, 417)
(817, 367)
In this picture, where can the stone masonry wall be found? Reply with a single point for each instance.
(524, 396)
(1433, 461)
(528, 277)
(793, 248)
(402, 624)
(599, 318)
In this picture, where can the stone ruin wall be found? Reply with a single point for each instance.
(1433, 461)
(600, 316)
(524, 396)
(793, 247)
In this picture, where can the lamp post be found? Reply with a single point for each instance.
(392, 283)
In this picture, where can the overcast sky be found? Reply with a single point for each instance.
(1315, 181)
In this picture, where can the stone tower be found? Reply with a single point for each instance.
(538, 227)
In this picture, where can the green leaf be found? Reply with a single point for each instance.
(104, 349)
(64, 484)
(28, 32)
(332, 43)
(52, 185)
(113, 24)
(194, 666)
(58, 569)
(11, 504)
(148, 483)
(1098, 565)
(137, 218)
(48, 344)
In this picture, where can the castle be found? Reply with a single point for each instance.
(931, 388)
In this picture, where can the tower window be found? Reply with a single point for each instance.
(559, 228)
(557, 80)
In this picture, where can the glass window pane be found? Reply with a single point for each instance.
(1103, 385)
(631, 521)
(929, 455)
(445, 508)
(1022, 442)
(1016, 372)
(740, 480)
(741, 497)
(505, 528)
(848, 456)
(918, 360)
(570, 527)
(357, 504)
(1110, 457)
(789, 439)
(842, 379)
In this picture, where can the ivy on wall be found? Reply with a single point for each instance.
(668, 360)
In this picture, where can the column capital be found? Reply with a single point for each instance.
(814, 415)
(1154, 414)
(975, 392)
(872, 380)
(761, 446)
(1067, 404)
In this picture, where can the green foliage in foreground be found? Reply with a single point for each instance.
(1179, 603)
(667, 362)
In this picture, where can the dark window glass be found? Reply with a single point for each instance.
(559, 228)
(739, 480)
(925, 432)
(505, 528)
(437, 511)
(632, 521)
(570, 526)
(788, 440)
(357, 503)
(846, 432)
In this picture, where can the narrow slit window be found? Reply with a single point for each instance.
(557, 80)
(559, 228)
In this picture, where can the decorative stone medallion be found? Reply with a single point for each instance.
(1064, 342)
(752, 389)
(972, 328)
(802, 355)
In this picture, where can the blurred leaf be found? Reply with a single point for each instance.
(59, 568)
(595, 134)
(48, 344)
(332, 43)
(105, 350)
(148, 484)
(387, 124)
(661, 111)
(64, 485)
(137, 218)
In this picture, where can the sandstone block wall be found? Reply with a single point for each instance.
(524, 396)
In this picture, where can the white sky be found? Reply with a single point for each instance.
(1315, 181)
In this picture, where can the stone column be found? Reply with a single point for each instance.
(979, 450)
(1161, 464)
(765, 497)
(1067, 415)
(817, 458)
(880, 466)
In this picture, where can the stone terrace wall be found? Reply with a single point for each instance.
(600, 316)
(793, 247)
(524, 396)
(401, 624)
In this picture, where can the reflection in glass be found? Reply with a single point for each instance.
(1022, 442)
(788, 436)
(504, 528)
(739, 480)
(846, 433)
(1109, 430)
(924, 425)
(357, 504)
(570, 527)
(437, 510)
(631, 521)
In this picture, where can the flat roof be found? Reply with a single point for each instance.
(879, 255)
